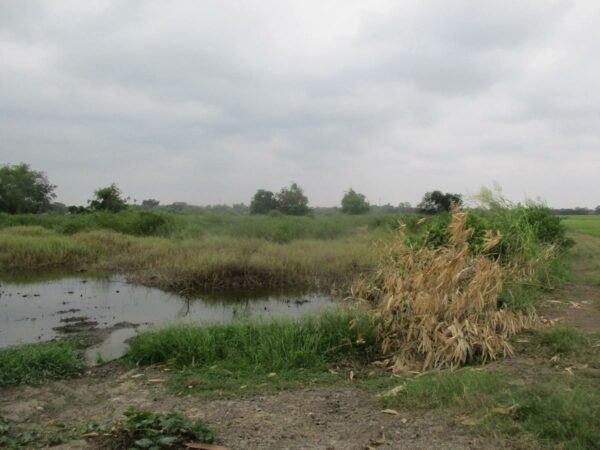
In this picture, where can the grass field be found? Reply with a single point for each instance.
(583, 224)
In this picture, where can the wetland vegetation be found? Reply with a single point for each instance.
(425, 292)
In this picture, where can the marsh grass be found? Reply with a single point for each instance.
(258, 346)
(30, 364)
(189, 264)
(35, 247)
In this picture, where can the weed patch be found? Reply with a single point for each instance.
(148, 430)
(556, 413)
(467, 389)
(29, 364)
(560, 339)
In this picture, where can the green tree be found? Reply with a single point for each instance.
(354, 203)
(108, 199)
(150, 203)
(23, 190)
(292, 201)
(436, 201)
(263, 202)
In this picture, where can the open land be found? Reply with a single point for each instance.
(265, 385)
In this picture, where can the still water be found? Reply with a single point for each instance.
(40, 310)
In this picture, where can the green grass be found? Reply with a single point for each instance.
(466, 388)
(188, 264)
(149, 430)
(30, 364)
(258, 346)
(273, 227)
(562, 339)
(586, 259)
(555, 412)
(246, 358)
(583, 224)
(218, 382)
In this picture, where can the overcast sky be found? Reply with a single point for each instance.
(207, 101)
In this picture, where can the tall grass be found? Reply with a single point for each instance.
(36, 362)
(269, 346)
(188, 264)
(31, 247)
(275, 227)
(438, 307)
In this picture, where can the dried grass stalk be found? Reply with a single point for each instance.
(438, 308)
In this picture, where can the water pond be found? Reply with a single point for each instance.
(37, 310)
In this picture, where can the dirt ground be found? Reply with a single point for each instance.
(311, 418)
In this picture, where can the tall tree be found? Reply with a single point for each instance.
(150, 203)
(263, 202)
(23, 190)
(355, 203)
(437, 201)
(109, 198)
(292, 201)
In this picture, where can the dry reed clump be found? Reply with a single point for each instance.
(438, 308)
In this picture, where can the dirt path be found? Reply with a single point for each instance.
(312, 418)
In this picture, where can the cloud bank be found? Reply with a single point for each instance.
(206, 102)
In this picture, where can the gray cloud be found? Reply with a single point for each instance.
(202, 102)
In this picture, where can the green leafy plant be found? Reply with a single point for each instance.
(154, 431)
(11, 439)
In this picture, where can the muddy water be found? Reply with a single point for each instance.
(40, 310)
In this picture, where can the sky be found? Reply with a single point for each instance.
(208, 101)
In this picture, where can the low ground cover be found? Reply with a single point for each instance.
(583, 224)
(37, 362)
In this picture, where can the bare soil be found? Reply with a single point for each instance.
(311, 418)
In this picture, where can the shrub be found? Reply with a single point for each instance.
(354, 203)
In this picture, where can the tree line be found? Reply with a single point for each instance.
(24, 190)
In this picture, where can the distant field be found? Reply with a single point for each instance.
(583, 224)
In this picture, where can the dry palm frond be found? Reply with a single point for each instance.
(438, 308)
